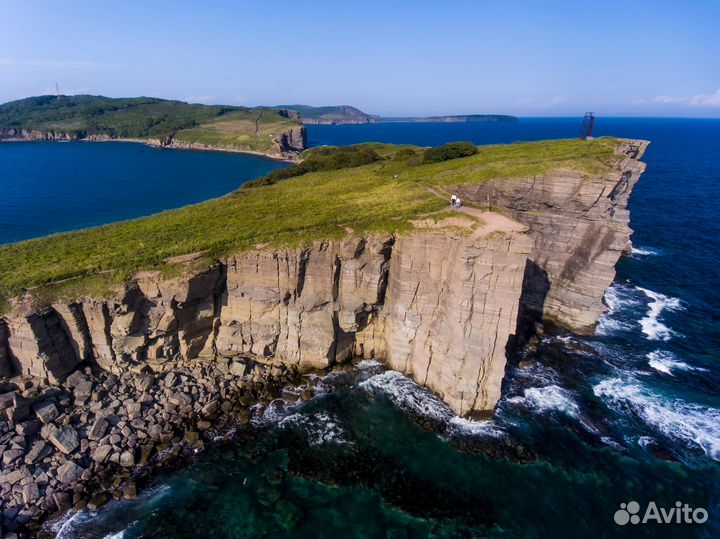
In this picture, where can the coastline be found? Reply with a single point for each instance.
(104, 436)
(154, 143)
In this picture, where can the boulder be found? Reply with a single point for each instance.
(101, 453)
(127, 459)
(30, 493)
(98, 429)
(69, 472)
(46, 411)
(65, 439)
(38, 451)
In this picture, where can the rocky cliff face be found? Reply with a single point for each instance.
(440, 305)
(580, 228)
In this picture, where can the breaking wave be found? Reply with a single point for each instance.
(651, 325)
(548, 399)
(643, 251)
(666, 362)
(692, 424)
(407, 395)
(320, 428)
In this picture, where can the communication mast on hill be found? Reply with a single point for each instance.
(587, 126)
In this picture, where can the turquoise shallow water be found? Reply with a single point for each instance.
(631, 413)
(52, 187)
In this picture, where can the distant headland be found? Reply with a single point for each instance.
(345, 114)
(267, 131)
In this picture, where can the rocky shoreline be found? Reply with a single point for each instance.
(287, 147)
(99, 436)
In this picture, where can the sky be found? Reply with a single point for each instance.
(393, 58)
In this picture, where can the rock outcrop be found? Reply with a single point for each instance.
(441, 305)
(580, 227)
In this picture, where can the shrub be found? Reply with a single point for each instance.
(451, 150)
(317, 159)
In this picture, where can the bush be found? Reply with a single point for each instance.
(451, 150)
(405, 154)
(317, 159)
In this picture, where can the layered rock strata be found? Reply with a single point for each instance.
(580, 227)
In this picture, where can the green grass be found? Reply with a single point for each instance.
(252, 130)
(296, 211)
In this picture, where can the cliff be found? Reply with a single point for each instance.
(442, 302)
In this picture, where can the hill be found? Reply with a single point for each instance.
(332, 115)
(156, 121)
(344, 114)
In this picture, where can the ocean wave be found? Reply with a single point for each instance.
(485, 427)
(548, 399)
(609, 326)
(321, 428)
(618, 297)
(407, 395)
(686, 422)
(666, 362)
(643, 251)
(651, 325)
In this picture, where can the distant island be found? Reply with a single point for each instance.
(159, 122)
(331, 115)
(482, 118)
(345, 114)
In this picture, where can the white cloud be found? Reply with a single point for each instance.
(200, 99)
(700, 100)
(53, 64)
(240, 99)
(712, 100)
(667, 99)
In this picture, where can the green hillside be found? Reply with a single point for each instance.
(395, 186)
(83, 116)
(338, 114)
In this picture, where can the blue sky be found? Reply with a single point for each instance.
(529, 58)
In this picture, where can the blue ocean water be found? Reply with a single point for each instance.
(629, 414)
(52, 187)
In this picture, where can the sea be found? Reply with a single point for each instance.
(584, 442)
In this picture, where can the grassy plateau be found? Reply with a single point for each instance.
(381, 196)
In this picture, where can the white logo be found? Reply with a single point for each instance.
(629, 513)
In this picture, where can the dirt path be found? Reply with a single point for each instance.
(490, 221)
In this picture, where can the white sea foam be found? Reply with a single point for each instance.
(366, 364)
(687, 422)
(548, 399)
(321, 428)
(644, 251)
(609, 326)
(408, 395)
(664, 361)
(617, 297)
(485, 427)
(651, 325)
